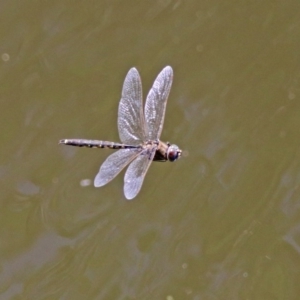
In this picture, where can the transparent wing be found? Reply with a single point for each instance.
(114, 164)
(156, 102)
(136, 171)
(130, 116)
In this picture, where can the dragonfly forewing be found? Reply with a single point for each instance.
(156, 102)
(131, 122)
(135, 174)
(114, 164)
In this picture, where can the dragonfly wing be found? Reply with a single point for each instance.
(130, 115)
(156, 102)
(136, 171)
(114, 164)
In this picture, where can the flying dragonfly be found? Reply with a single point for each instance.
(139, 133)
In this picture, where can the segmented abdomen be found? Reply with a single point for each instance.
(95, 144)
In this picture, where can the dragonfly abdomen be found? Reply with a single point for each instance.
(95, 144)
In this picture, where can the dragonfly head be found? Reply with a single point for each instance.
(173, 152)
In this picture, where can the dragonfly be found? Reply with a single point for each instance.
(139, 132)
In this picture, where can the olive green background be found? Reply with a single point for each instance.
(223, 222)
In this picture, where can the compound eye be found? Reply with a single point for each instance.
(173, 153)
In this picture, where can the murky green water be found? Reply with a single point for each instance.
(222, 222)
